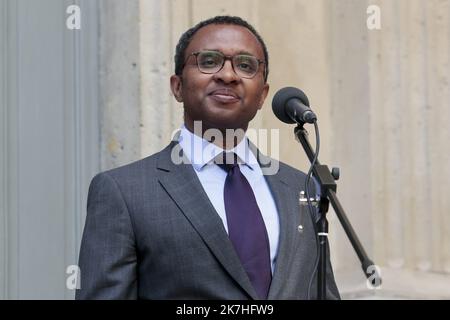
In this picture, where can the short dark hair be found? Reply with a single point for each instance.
(186, 38)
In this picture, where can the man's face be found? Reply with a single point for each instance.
(222, 100)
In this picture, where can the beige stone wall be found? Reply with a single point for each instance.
(382, 98)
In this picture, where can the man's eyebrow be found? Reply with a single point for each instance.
(239, 52)
(246, 53)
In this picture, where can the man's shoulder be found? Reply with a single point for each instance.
(290, 169)
(282, 169)
(135, 170)
(271, 166)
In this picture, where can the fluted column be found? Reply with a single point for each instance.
(160, 115)
(409, 90)
(438, 80)
(388, 159)
(349, 134)
(119, 87)
(418, 241)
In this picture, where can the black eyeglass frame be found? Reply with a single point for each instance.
(225, 58)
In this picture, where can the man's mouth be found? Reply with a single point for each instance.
(224, 96)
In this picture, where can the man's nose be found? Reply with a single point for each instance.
(227, 74)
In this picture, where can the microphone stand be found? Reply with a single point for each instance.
(326, 180)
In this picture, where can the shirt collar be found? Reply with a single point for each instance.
(201, 152)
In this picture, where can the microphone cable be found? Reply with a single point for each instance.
(311, 209)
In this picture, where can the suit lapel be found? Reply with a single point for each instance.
(287, 202)
(288, 208)
(180, 182)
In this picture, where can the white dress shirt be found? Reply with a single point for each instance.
(201, 153)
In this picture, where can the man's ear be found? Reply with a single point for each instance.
(176, 87)
(263, 96)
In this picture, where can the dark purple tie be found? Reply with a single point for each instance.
(246, 227)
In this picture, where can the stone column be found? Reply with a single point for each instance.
(160, 114)
(438, 79)
(120, 82)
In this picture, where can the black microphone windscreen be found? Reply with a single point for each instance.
(282, 97)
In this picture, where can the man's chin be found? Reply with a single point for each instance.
(219, 122)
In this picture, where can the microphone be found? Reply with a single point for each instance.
(291, 105)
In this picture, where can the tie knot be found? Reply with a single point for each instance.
(226, 160)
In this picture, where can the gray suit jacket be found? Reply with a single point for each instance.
(152, 233)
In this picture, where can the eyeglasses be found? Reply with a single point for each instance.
(245, 66)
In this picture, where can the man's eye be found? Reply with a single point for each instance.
(247, 65)
(209, 61)
(244, 66)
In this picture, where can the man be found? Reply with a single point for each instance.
(202, 228)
